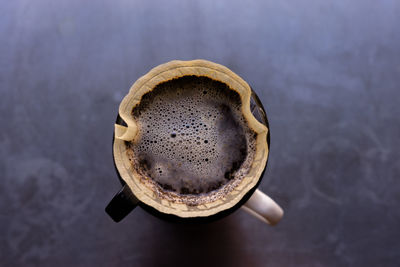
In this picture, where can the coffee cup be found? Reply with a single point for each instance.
(191, 143)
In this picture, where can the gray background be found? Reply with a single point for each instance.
(328, 73)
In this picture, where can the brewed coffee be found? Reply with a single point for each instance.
(193, 139)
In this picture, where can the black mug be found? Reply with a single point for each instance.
(245, 193)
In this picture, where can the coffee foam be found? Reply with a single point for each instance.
(194, 144)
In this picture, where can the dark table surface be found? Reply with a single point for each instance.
(328, 73)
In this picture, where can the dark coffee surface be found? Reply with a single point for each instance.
(192, 137)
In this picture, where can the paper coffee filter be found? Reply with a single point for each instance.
(165, 72)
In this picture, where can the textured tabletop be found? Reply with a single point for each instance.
(328, 73)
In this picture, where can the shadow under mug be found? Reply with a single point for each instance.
(254, 202)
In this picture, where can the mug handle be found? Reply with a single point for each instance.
(121, 204)
(264, 208)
